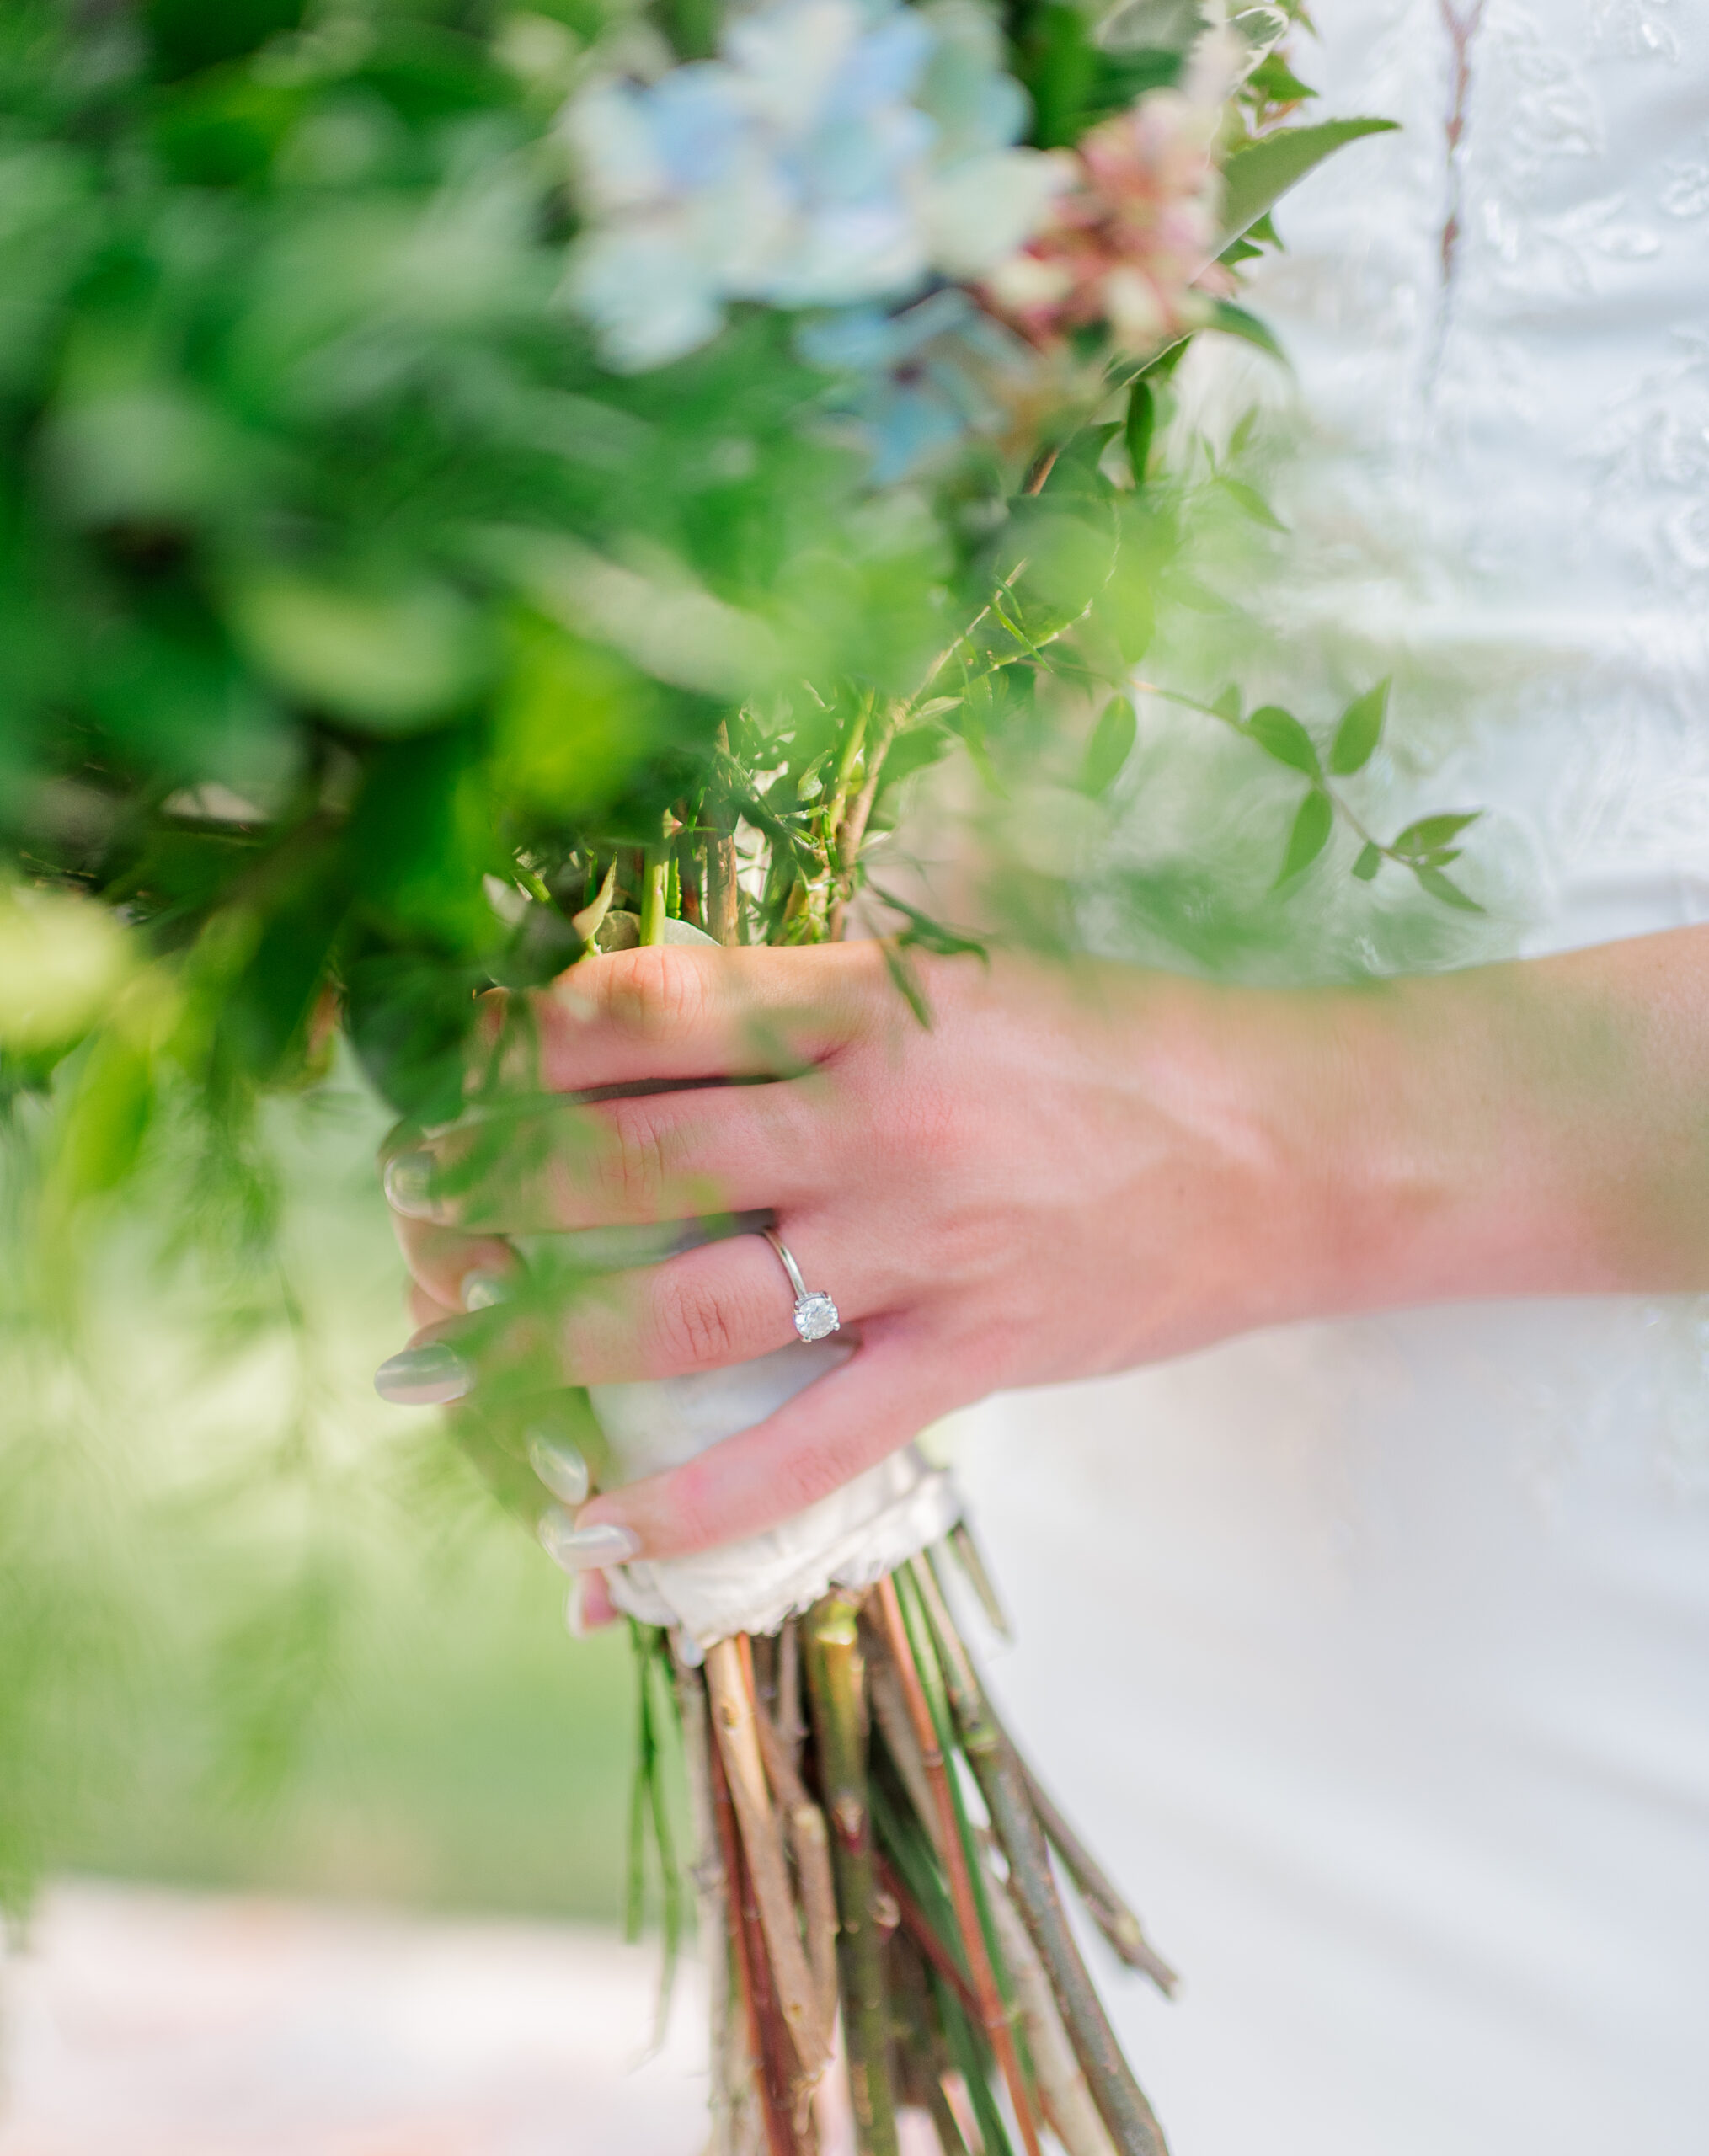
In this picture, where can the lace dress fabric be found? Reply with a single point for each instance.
(1392, 1633)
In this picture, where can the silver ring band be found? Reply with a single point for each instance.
(816, 1316)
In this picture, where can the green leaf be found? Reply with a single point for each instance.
(922, 933)
(906, 981)
(1358, 731)
(1108, 751)
(1061, 68)
(107, 1118)
(1279, 734)
(1227, 705)
(1141, 425)
(1235, 322)
(1275, 80)
(1431, 832)
(1252, 501)
(1310, 834)
(1370, 859)
(389, 661)
(1186, 590)
(1437, 885)
(1262, 172)
(1121, 77)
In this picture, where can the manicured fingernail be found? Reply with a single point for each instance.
(585, 1549)
(574, 1609)
(482, 1290)
(408, 1185)
(423, 1376)
(560, 1467)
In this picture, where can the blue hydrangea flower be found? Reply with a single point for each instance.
(913, 385)
(829, 155)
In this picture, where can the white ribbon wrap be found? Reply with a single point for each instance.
(850, 1539)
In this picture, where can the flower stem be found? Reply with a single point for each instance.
(655, 879)
(768, 2039)
(1104, 1904)
(1121, 2103)
(712, 1896)
(810, 1847)
(993, 2014)
(733, 1720)
(836, 1686)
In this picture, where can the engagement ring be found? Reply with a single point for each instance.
(815, 1314)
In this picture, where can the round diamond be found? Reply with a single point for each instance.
(815, 1317)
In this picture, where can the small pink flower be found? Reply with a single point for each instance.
(1132, 240)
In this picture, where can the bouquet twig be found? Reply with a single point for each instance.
(896, 1875)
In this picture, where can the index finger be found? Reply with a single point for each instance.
(669, 1010)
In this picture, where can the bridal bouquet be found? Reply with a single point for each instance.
(483, 485)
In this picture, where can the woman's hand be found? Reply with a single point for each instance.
(1072, 1171)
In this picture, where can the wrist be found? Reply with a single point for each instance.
(1508, 1130)
(1391, 1148)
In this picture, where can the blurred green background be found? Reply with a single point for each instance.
(257, 1628)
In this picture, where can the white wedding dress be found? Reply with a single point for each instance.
(1391, 1635)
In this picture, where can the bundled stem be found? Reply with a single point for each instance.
(943, 1941)
(1104, 1904)
(712, 1898)
(836, 1685)
(734, 1720)
(810, 1847)
(1122, 2104)
(971, 1559)
(768, 2038)
(993, 2012)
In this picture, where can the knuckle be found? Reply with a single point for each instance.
(695, 1326)
(631, 1162)
(698, 1508)
(813, 1469)
(655, 989)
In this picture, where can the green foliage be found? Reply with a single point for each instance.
(1109, 747)
(1359, 731)
(1279, 734)
(650, 1810)
(1260, 173)
(255, 1629)
(356, 620)
(1312, 825)
(1274, 81)
(1238, 322)
(366, 641)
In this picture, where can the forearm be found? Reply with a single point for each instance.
(1540, 1128)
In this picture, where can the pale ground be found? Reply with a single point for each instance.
(139, 2022)
(142, 2023)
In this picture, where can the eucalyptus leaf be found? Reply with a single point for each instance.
(1252, 501)
(1310, 836)
(1358, 731)
(1279, 734)
(1429, 833)
(1439, 886)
